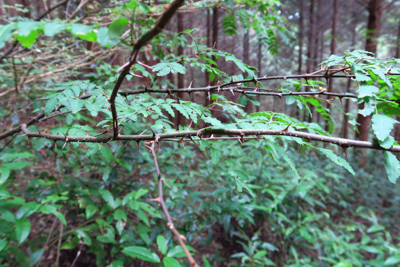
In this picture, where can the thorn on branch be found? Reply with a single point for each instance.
(108, 98)
(164, 182)
(138, 144)
(287, 128)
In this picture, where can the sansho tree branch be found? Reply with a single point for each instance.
(158, 27)
(238, 89)
(160, 200)
(230, 132)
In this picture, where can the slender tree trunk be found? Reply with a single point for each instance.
(311, 48)
(310, 37)
(259, 66)
(349, 82)
(397, 126)
(374, 24)
(246, 47)
(181, 83)
(246, 60)
(215, 30)
(301, 35)
(398, 43)
(333, 48)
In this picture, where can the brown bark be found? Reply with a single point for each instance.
(246, 47)
(333, 48)
(310, 37)
(311, 48)
(349, 82)
(397, 126)
(181, 83)
(373, 27)
(301, 34)
(215, 32)
(398, 43)
(259, 66)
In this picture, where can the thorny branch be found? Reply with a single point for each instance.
(181, 239)
(209, 131)
(158, 27)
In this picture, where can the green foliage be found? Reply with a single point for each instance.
(271, 201)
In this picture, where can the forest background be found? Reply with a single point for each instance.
(106, 106)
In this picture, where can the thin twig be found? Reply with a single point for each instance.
(77, 254)
(170, 223)
(48, 239)
(59, 245)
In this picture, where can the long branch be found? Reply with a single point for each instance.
(160, 200)
(208, 131)
(238, 89)
(158, 27)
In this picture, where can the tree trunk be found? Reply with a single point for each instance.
(181, 84)
(374, 24)
(349, 82)
(333, 48)
(397, 126)
(301, 35)
(398, 43)
(215, 32)
(259, 60)
(310, 51)
(310, 37)
(246, 47)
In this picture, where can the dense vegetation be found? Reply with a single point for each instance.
(139, 133)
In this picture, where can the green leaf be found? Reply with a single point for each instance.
(215, 155)
(171, 262)
(375, 228)
(77, 105)
(6, 33)
(116, 28)
(5, 173)
(106, 195)
(16, 165)
(141, 192)
(103, 39)
(142, 216)
(369, 106)
(90, 211)
(388, 143)
(84, 32)
(141, 253)
(336, 159)
(22, 155)
(106, 152)
(361, 77)
(52, 28)
(392, 260)
(178, 67)
(392, 166)
(35, 257)
(367, 90)
(206, 262)
(50, 105)
(240, 183)
(162, 244)
(242, 100)
(382, 125)
(23, 228)
(28, 41)
(119, 215)
(25, 28)
(51, 209)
